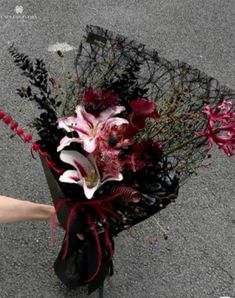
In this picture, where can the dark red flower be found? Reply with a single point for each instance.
(98, 100)
(141, 109)
(143, 153)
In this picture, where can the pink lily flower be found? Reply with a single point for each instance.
(86, 173)
(89, 127)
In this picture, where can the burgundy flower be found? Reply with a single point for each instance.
(143, 153)
(220, 126)
(98, 100)
(141, 109)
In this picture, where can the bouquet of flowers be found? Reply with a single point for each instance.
(117, 140)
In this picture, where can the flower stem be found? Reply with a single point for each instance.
(180, 146)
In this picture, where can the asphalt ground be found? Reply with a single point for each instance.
(197, 260)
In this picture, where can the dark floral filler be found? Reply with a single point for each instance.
(116, 144)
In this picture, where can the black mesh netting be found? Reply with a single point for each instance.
(108, 60)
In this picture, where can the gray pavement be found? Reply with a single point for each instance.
(198, 258)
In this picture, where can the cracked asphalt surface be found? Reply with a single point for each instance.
(198, 258)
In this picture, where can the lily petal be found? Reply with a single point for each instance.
(67, 123)
(108, 113)
(77, 160)
(86, 173)
(66, 141)
(70, 176)
(85, 119)
(106, 178)
(116, 121)
(89, 144)
(89, 191)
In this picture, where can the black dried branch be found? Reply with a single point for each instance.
(126, 85)
(37, 74)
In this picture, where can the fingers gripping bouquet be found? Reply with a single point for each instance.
(117, 141)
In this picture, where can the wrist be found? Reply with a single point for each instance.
(44, 212)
